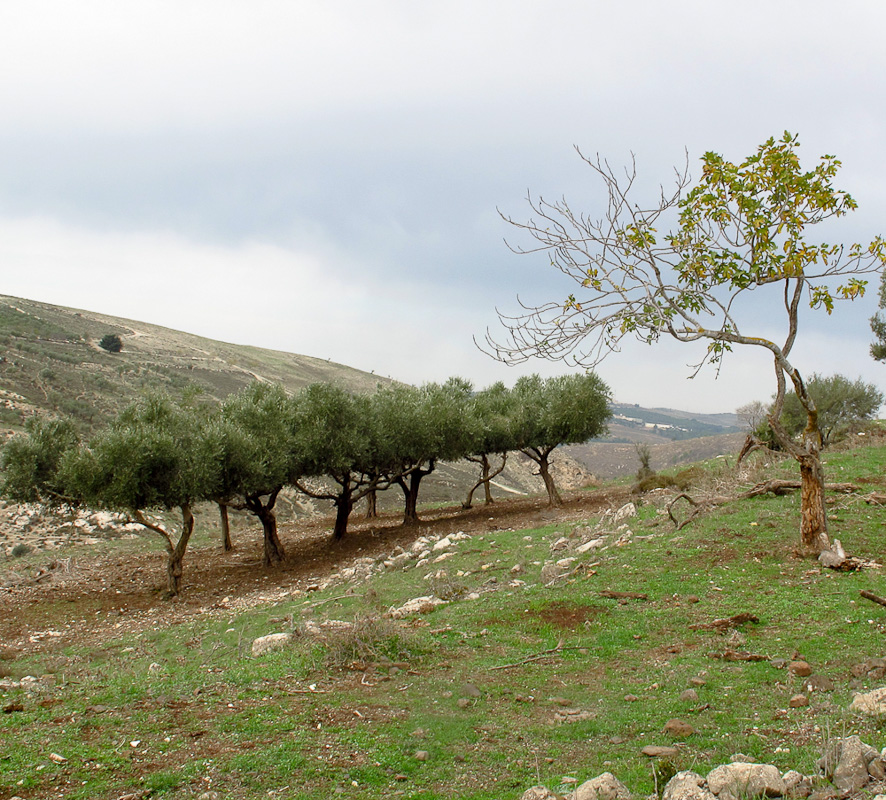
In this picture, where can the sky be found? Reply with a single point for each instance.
(328, 178)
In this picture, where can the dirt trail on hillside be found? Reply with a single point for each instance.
(92, 602)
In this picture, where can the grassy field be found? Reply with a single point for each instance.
(526, 675)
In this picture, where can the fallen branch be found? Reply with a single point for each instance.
(537, 657)
(622, 595)
(872, 597)
(876, 499)
(725, 624)
(735, 655)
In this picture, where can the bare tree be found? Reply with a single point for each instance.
(738, 232)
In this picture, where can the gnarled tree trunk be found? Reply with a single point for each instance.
(227, 545)
(273, 547)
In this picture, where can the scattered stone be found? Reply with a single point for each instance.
(418, 605)
(877, 769)
(593, 544)
(689, 696)
(561, 701)
(538, 793)
(798, 701)
(11, 708)
(659, 751)
(625, 512)
(740, 780)
(800, 668)
(631, 698)
(845, 763)
(470, 690)
(778, 663)
(603, 787)
(818, 683)
(58, 759)
(871, 703)
(796, 784)
(678, 728)
(463, 702)
(686, 785)
(422, 755)
(697, 681)
(693, 598)
(269, 643)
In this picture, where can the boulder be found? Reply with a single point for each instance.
(871, 703)
(538, 793)
(269, 643)
(845, 762)
(603, 787)
(686, 785)
(738, 780)
(418, 605)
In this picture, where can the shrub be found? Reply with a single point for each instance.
(111, 342)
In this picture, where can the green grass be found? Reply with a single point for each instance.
(207, 715)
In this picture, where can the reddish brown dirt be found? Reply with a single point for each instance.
(116, 594)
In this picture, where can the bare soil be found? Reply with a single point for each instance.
(118, 594)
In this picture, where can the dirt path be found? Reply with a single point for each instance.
(116, 595)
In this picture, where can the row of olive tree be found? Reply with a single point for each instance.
(241, 454)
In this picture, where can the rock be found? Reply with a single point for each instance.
(593, 544)
(269, 643)
(818, 683)
(877, 769)
(686, 785)
(418, 605)
(631, 698)
(538, 793)
(689, 696)
(422, 755)
(697, 681)
(660, 751)
(693, 598)
(845, 762)
(800, 668)
(603, 787)
(625, 512)
(740, 780)
(871, 703)
(796, 784)
(470, 690)
(798, 701)
(442, 544)
(678, 728)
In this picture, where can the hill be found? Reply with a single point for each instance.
(50, 360)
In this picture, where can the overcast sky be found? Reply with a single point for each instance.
(324, 177)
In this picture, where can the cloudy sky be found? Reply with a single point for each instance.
(325, 177)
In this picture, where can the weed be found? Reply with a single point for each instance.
(371, 638)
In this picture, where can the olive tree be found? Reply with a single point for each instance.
(30, 463)
(493, 409)
(878, 324)
(840, 402)
(418, 427)
(335, 439)
(568, 409)
(150, 459)
(738, 234)
(262, 413)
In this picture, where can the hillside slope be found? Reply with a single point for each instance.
(50, 360)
